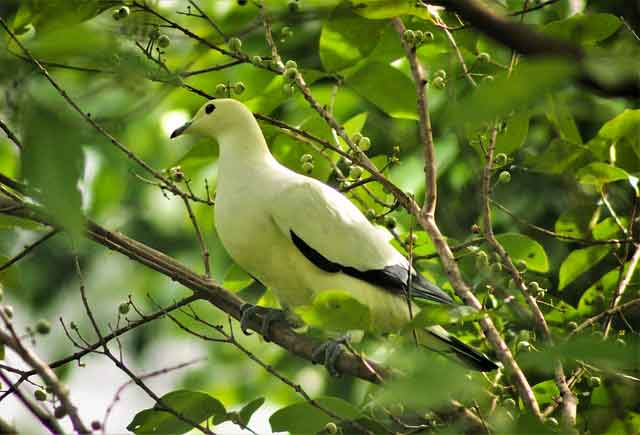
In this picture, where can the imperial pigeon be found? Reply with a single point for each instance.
(300, 237)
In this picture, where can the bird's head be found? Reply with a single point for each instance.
(217, 117)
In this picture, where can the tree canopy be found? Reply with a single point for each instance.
(497, 141)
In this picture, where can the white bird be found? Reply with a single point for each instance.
(300, 237)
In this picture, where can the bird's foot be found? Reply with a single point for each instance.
(268, 315)
(329, 352)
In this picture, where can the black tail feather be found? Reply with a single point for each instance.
(467, 355)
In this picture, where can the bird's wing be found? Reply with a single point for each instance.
(335, 236)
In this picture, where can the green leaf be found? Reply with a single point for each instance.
(304, 418)
(625, 125)
(192, 405)
(584, 29)
(53, 165)
(520, 247)
(514, 133)
(546, 391)
(559, 157)
(562, 118)
(579, 261)
(386, 87)
(432, 314)
(52, 14)
(530, 82)
(608, 228)
(236, 278)
(600, 174)
(593, 300)
(336, 310)
(381, 9)
(575, 222)
(247, 411)
(347, 38)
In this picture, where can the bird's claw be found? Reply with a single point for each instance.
(329, 352)
(269, 315)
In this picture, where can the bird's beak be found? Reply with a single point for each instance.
(178, 131)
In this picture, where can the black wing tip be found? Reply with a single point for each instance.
(472, 357)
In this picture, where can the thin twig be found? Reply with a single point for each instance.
(10, 134)
(27, 249)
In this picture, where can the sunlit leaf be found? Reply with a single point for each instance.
(585, 29)
(249, 409)
(192, 405)
(432, 314)
(522, 248)
(600, 174)
(381, 9)
(514, 133)
(303, 417)
(579, 261)
(336, 310)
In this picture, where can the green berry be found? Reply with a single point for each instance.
(364, 143)
(488, 78)
(501, 159)
(428, 36)
(43, 327)
(307, 167)
(164, 41)
(291, 64)
(491, 302)
(409, 36)
(123, 12)
(594, 381)
(496, 267)
(509, 403)
(371, 213)
(290, 74)
(523, 346)
(40, 395)
(239, 88)
(484, 57)
(390, 222)
(124, 307)
(235, 44)
(288, 89)
(419, 35)
(553, 421)
(221, 89)
(59, 412)
(356, 138)
(522, 265)
(355, 172)
(95, 424)
(8, 311)
(306, 158)
(439, 82)
(256, 60)
(285, 32)
(504, 177)
(572, 326)
(441, 73)
(482, 260)
(331, 428)
(534, 286)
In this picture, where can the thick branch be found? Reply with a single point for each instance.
(228, 302)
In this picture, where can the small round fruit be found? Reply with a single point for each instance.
(501, 159)
(43, 327)
(307, 167)
(95, 424)
(522, 265)
(331, 428)
(356, 138)
(572, 326)
(488, 78)
(235, 44)
(239, 88)
(124, 307)
(482, 260)
(390, 222)
(291, 64)
(364, 143)
(553, 421)
(523, 346)
(439, 82)
(484, 57)
(290, 74)
(509, 403)
(409, 36)
(40, 395)
(306, 158)
(256, 60)
(8, 311)
(123, 12)
(371, 213)
(355, 172)
(419, 34)
(59, 412)
(428, 36)
(504, 177)
(594, 381)
(441, 73)
(221, 89)
(164, 41)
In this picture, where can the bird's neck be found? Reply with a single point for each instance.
(245, 151)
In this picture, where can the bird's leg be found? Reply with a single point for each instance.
(268, 315)
(330, 351)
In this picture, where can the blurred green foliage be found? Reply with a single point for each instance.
(573, 157)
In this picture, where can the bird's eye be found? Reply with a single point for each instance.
(210, 108)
